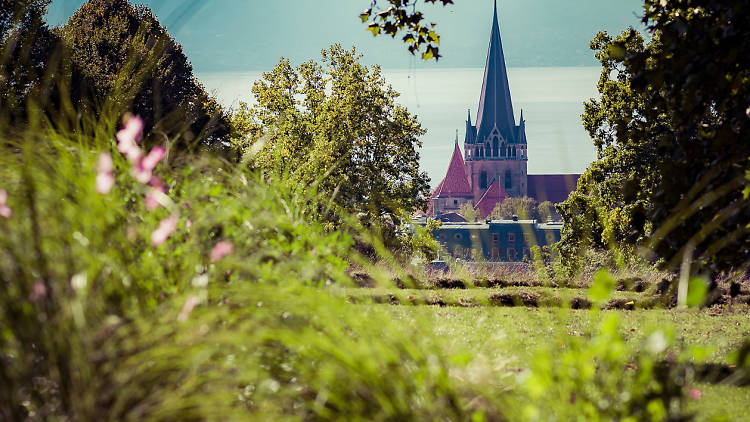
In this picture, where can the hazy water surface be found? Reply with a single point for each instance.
(551, 99)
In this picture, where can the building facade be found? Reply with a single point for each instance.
(496, 240)
(495, 154)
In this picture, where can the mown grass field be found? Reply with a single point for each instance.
(506, 335)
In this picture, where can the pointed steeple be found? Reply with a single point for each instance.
(471, 131)
(495, 107)
(455, 184)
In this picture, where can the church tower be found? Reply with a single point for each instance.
(495, 148)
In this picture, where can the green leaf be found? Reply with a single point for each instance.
(427, 55)
(364, 16)
(602, 287)
(697, 290)
(374, 28)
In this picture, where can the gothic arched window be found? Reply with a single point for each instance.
(494, 147)
(483, 180)
(476, 152)
(508, 181)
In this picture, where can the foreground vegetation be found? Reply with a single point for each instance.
(151, 273)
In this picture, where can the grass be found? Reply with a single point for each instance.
(505, 339)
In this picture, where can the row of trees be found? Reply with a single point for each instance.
(110, 58)
(334, 126)
(524, 208)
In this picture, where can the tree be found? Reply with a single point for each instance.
(130, 63)
(608, 208)
(524, 208)
(546, 211)
(672, 132)
(402, 16)
(27, 46)
(468, 212)
(336, 126)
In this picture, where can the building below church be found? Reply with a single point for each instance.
(492, 166)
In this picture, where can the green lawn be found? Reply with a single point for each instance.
(505, 338)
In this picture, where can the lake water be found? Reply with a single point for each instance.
(551, 98)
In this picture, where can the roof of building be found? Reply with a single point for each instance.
(495, 107)
(551, 187)
(494, 194)
(455, 184)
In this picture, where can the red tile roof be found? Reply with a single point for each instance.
(551, 187)
(455, 184)
(494, 194)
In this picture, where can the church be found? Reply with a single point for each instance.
(492, 166)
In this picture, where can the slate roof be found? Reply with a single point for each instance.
(494, 194)
(455, 184)
(495, 107)
(551, 187)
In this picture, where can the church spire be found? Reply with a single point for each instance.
(495, 107)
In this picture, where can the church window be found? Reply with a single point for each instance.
(502, 151)
(476, 152)
(494, 147)
(508, 181)
(514, 152)
(483, 180)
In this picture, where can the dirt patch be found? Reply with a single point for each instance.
(515, 299)
(580, 303)
(363, 280)
(620, 304)
(450, 283)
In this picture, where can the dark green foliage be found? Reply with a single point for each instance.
(402, 16)
(130, 63)
(353, 142)
(670, 129)
(702, 74)
(29, 55)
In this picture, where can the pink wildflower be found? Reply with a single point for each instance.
(5, 210)
(153, 198)
(38, 291)
(150, 161)
(166, 227)
(131, 130)
(104, 178)
(221, 250)
(696, 393)
(190, 303)
(143, 167)
(189, 223)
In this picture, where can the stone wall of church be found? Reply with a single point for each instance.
(482, 173)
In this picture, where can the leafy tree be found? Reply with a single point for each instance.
(335, 126)
(468, 212)
(27, 46)
(608, 208)
(524, 208)
(131, 63)
(671, 130)
(402, 16)
(546, 211)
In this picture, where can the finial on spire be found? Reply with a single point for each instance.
(456, 136)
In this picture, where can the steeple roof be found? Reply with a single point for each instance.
(495, 107)
(455, 183)
(494, 194)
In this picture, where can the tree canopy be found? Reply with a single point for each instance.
(671, 129)
(336, 125)
(131, 63)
